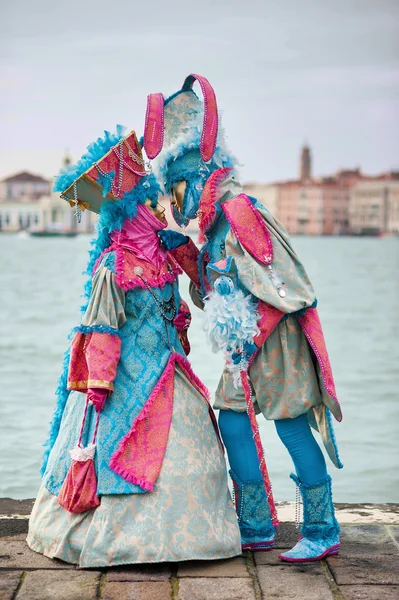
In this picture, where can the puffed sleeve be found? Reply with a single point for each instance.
(285, 275)
(96, 346)
(107, 302)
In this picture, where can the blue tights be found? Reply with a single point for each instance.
(295, 434)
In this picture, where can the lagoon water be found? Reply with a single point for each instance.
(357, 283)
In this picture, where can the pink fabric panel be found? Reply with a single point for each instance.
(209, 197)
(94, 360)
(186, 257)
(140, 235)
(154, 125)
(211, 122)
(102, 355)
(131, 270)
(78, 371)
(249, 228)
(141, 452)
(270, 317)
(79, 490)
(132, 171)
(311, 327)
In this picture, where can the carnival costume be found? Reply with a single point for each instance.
(260, 309)
(146, 481)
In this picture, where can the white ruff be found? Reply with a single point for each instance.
(230, 321)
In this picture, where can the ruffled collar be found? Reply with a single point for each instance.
(140, 235)
(219, 187)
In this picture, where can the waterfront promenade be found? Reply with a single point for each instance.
(367, 567)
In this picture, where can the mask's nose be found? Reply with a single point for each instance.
(178, 192)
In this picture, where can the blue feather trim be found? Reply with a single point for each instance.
(86, 329)
(95, 151)
(220, 158)
(106, 182)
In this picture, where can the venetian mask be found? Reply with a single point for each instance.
(158, 211)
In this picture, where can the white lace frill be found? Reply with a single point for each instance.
(230, 320)
(83, 454)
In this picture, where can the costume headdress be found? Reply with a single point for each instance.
(109, 170)
(109, 179)
(184, 139)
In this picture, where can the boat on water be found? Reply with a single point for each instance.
(53, 230)
(44, 233)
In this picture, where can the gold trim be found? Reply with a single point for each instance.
(90, 383)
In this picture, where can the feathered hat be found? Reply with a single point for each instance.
(110, 170)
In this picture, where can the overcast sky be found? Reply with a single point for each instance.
(284, 72)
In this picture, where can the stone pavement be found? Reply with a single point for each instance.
(367, 567)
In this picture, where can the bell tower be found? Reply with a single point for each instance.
(305, 164)
(67, 160)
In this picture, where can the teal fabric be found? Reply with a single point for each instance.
(188, 516)
(320, 529)
(305, 452)
(308, 550)
(238, 439)
(318, 510)
(146, 348)
(253, 512)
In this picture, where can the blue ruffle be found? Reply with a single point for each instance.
(86, 329)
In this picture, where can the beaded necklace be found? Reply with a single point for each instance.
(167, 308)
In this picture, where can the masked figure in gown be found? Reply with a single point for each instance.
(147, 480)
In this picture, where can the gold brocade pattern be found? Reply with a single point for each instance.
(188, 516)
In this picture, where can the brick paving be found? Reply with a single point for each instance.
(367, 568)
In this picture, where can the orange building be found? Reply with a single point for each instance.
(315, 206)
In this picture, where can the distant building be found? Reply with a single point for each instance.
(28, 203)
(23, 187)
(59, 213)
(316, 205)
(374, 205)
(310, 205)
(17, 216)
(267, 194)
(305, 164)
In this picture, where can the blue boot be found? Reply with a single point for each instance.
(256, 527)
(320, 529)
